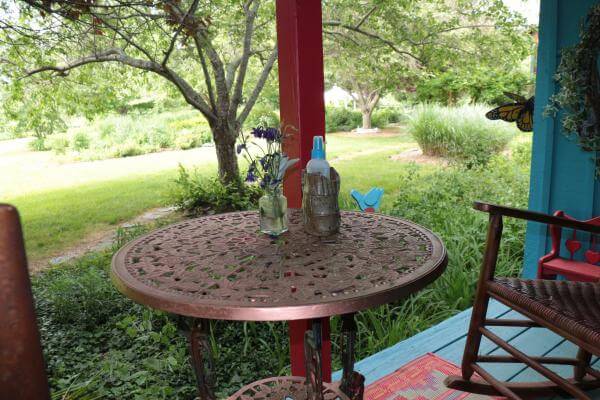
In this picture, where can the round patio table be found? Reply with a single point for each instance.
(222, 267)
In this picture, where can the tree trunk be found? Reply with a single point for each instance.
(366, 118)
(367, 100)
(226, 156)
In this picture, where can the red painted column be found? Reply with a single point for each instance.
(302, 111)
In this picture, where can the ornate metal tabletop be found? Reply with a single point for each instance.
(222, 267)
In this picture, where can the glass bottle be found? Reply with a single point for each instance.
(273, 212)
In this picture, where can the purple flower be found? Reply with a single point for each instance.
(240, 147)
(271, 134)
(250, 177)
(258, 132)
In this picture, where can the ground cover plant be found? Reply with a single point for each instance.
(115, 136)
(459, 133)
(197, 195)
(98, 343)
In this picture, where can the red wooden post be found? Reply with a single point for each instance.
(302, 111)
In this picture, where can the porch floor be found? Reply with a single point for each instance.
(447, 340)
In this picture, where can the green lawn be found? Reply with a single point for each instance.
(62, 204)
(95, 197)
(53, 220)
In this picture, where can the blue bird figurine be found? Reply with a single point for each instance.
(369, 202)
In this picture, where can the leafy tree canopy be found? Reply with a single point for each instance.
(203, 48)
(467, 46)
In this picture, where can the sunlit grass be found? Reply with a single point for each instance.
(56, 219)
(61, 204)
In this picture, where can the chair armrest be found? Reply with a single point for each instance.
(536, 217)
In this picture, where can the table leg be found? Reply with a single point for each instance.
(313, 362)
(202, 358)
(353, 383)
(297, 330)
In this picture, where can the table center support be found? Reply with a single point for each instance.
(353, 383)
(302, 112)
(296, 333)
(202, 360)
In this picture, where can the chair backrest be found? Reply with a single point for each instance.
(22, 371)
(573, 244)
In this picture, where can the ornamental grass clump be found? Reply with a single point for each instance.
(461, 134)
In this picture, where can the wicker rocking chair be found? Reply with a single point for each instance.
(570, 309)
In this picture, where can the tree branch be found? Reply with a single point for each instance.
(259, 87)
(373, 35)
(207, 80)
(190, 11)
(251, 10)
(118, 55)
(366, 16)
(202, 43)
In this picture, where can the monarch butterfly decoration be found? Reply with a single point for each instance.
(521, 111)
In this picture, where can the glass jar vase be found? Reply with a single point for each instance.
(273, 213)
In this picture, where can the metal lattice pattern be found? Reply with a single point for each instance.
(281, 388)
(224, 260)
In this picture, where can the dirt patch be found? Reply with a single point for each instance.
(417, 156)
(99, 240)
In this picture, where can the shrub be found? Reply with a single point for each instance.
(99, 344)
(521, 153)
(338, 119)
(142, 107)
(81, 141)
(188, 140)
(128, 149)
(384, 117)
(442, 200)
(90, 301)
(59, 143)
(160, 138)
(199, 195)
(262, 115)
(38, 144)
(204, 135)
(107, 129)
(460, 133)
(187, 123)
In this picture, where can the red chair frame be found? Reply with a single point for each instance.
(552, 264)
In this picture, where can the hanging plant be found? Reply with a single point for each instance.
(579, 93)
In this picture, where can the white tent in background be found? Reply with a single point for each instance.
(338, 97)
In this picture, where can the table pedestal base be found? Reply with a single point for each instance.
(353, 383)
(284, 387)
(297, 388)
(202, 360)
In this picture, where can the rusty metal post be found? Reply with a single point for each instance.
(22, 370)
(202, 360)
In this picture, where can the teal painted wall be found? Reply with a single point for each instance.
(562, 175)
